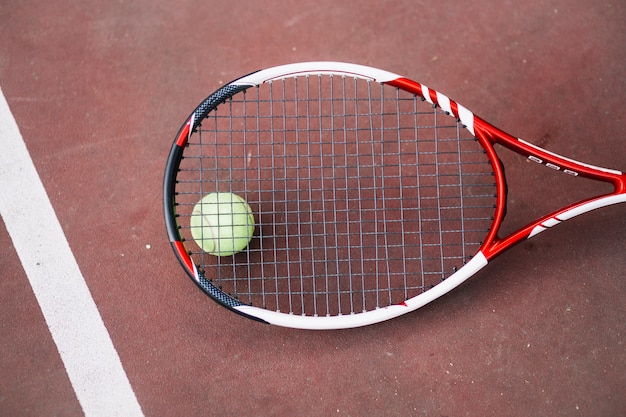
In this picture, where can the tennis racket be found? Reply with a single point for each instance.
(372, 194)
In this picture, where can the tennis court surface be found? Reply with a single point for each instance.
(99, 319)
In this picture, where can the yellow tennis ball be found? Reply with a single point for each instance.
(222, 224)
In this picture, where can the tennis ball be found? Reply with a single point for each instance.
(222, 224)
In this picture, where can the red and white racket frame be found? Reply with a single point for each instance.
(488, 135)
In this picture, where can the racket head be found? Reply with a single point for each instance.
(370, 201)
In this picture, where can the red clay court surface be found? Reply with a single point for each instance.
(98, 91)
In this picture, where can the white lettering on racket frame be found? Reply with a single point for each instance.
(553, 166)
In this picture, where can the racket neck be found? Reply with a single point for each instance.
(489, 135)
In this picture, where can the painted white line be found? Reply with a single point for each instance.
(90, 359)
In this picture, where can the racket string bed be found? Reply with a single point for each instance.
(364, 196)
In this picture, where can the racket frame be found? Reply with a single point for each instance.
(487, 134)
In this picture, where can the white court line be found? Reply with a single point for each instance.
(91, 361)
